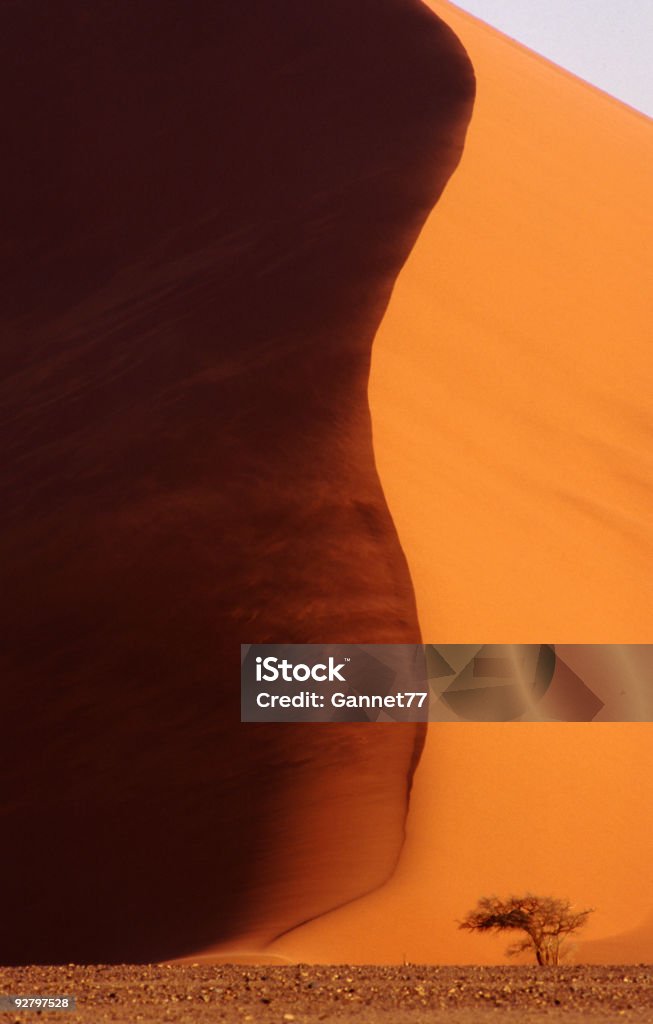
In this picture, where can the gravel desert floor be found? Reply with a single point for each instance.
(303, 993)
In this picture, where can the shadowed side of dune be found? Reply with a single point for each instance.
(206, 205)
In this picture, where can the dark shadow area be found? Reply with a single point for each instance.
(205, 205)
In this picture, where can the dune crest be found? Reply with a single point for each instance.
(510, 395)
(511, 379)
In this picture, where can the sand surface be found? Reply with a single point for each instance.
(190, 299)
(512, 372)
(203, 227)
(510, 393)
(396, 995)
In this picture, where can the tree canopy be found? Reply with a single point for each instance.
(546, 922)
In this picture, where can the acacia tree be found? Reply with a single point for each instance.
(546, 922)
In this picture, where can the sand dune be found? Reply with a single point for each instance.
(634, 946)
(501, 808)
(206, 209)
(512, 373)
(206, 206)
(510, 394)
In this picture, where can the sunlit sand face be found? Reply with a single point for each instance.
(509, 808)
(511, 411)
(510, 378)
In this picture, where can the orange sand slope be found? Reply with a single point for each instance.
(512, 373)
(511, 405)
(507, 808)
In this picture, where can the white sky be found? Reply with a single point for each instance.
(607, 42)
